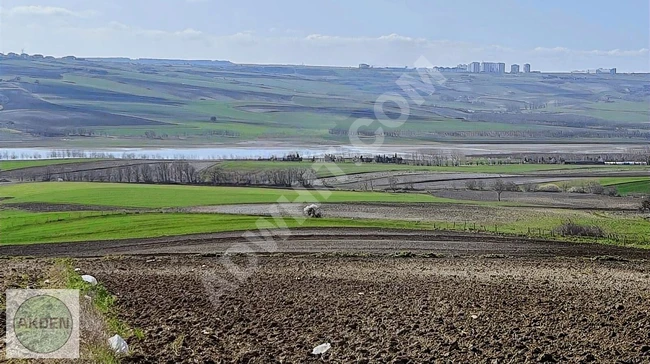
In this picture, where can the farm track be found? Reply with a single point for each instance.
(329, 240)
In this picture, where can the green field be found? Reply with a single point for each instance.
(20, 227)
(59, 227)
(18, 164)
(626, 186)
(154, 196)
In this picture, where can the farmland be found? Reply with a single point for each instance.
(63, 211)
(104, 103)
(499, 234)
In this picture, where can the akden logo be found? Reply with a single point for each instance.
(42, 324)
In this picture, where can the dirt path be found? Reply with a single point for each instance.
(329, 241)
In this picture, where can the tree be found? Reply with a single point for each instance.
(213, 118)
(471, 184)
(499, 186)
(393, 182)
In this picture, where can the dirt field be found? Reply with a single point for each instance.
(380, 309)
(550, 199)
(330, 240)
(451, 180)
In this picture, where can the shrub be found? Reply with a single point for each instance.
(572, 229)
(645, 205)
(610, 191)
(577, 189)
(471, 184)
(549, 188)
(595, 188)
(529, 187)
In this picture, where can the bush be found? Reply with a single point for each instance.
(529, 187)
(572, 229)
(471, 184)
(512, 187)
(645, 205)
(610, 191)
(577, 189)
(549, 188)
(595, 188)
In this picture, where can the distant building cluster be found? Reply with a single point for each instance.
(484, 67)
(600, 71)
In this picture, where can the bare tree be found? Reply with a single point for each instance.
(393, 182)
(480, 184)
(499, 186)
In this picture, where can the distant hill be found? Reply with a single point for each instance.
(150, 101)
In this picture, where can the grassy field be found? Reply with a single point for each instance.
(19, 227)
(627, 186)
(155, 196)
(352, 168)
(15, 164)
(59, 227)
(624, 185)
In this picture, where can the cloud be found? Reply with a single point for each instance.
(278, 46)
(38, 10)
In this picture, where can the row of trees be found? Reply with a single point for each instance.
(163, 172)
(287, 177)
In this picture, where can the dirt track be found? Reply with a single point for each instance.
(329, 241)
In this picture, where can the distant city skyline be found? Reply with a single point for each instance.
(552, 35)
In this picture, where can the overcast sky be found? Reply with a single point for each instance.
(552, 35)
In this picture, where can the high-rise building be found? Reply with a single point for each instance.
(474, 67)
(527, 68)
(611, 71)
(492, 67)
(514, 68)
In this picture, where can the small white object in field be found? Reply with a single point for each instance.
(474, 317)
(47, 281)
(90, 279)
(312, 206)
(312, 210)
(118, 344)
(150, 260)
(77, 269)
(321, 349)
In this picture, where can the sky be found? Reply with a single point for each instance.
(551, 35)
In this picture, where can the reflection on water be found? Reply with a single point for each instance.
(172, 153)
(254, 152)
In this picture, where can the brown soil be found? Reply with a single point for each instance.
(330, 240)
(56, 207)
(462, 310)
(548, 199)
